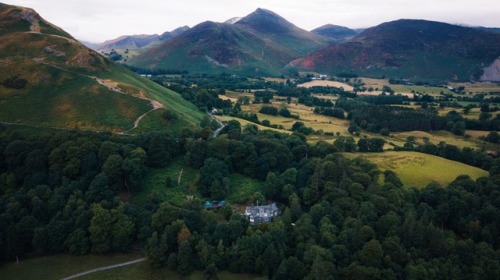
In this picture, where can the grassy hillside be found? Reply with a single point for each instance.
(418, 170)
(49, 79)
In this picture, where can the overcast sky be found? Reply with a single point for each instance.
(100, 20)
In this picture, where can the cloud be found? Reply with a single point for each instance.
(99, 20)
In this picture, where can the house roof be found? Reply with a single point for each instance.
(262, 210)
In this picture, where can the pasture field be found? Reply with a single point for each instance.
(418, 169)
(324, 83)
(408, 89)
(61, 266)
(65, 265)
(276, 80)
(439, 136)
(480, 87)
(143, 271)
(334, 125)
(374, 83)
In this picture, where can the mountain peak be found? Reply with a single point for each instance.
(265, 21)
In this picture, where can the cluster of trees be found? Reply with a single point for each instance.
(273, 111)
(332, 112)
(263, 97)
(59, 191)
(384, 99)
(341, 218)
(205, 99)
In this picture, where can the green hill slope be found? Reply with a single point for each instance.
(49, 79)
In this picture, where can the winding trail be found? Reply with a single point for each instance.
(221, 125)
(103, 268)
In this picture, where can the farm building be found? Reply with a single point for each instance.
(261, 214)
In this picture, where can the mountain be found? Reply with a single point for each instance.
(414, 49)
(127, 46)
(260, 43)
(278, 30)
(336, 32)
(128, 42)
(48, 79)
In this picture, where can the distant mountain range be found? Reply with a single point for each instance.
(414, 49)
(264, 43)
(133, 42)
(259, 44)
(49, 79)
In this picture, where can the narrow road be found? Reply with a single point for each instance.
(221, 125)
(103, 268)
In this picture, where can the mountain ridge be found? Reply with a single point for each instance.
(417, 49)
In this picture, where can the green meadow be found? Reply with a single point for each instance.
(418, 169)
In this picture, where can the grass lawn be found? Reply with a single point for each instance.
(418, 169)
(59, 266)
(144, 271)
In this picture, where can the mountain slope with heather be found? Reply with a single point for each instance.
(258, 44)
(48, 79)
(414, 49)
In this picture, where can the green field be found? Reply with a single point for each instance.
(59, 266)
(65, 265)
(418, 170)
(142, 271)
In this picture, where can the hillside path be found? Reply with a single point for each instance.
(103, 268)
(221, 125)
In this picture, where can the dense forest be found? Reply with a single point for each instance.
(342, 219)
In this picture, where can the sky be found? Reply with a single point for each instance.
(100, 20)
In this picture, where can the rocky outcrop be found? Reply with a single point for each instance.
(492, 72)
